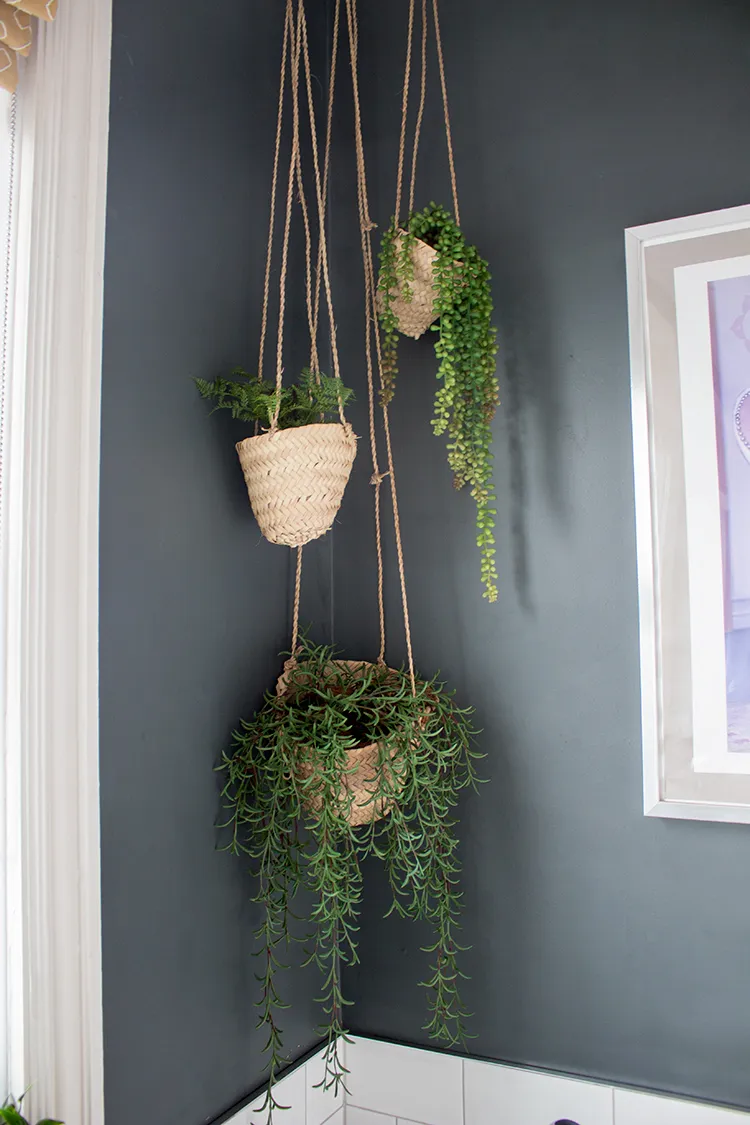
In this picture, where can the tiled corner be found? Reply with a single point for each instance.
(633, 1108)
(357, 1116)
(393, 1085)
(307, 1105)
(415, 1085)
(291, 1092)
(503, 1095)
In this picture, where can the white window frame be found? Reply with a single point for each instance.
(50, 578)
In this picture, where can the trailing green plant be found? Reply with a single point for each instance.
(290, 809)
(465, 347)
(315, 398)
(10, 1114)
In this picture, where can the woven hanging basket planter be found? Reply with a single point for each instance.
(415, 316)
(296, 479)
(359, 783)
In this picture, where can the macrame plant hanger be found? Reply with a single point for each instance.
(366, 227)
(297, 35)
(296, 476)
(420, 110)
(416, 312)
(372, 334)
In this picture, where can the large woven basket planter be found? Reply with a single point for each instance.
(359, 783)
(415, 316)
(296, 479)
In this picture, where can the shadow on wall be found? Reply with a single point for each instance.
(528, 373)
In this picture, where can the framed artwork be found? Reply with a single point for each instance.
(689, 314)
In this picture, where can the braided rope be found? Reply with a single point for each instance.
(297, 590)
(372, 323)
(322, 246)
(446, 114)
(327, 155)
(404, 109)
(420, 110)
(274, 187)
(296, 40)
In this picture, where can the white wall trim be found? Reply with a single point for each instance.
(51, 593)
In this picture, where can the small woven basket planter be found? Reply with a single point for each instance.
(359, 783)
(415, 316)
(296, 479)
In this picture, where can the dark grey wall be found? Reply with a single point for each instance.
(602, 943)
(194, 604)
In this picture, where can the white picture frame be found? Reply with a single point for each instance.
(687, 476)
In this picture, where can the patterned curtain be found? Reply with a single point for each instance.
(16, 32)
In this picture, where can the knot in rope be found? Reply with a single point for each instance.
(378, 478)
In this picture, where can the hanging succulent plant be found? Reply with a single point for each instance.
(458, 298)
(344, 761)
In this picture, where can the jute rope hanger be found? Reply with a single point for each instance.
(322, 273)
(420, 111)
(296, 476)
(371, 327)
(295, 50)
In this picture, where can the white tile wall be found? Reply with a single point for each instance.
(632, 1108)
(357, 1116)
(289, 1092)
(321, 1104)
(393, 1085)
(502, 1095)
(307, 1105)
(422, 1086)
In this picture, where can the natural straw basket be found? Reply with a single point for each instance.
(415, 316)
(296, 479)
(359, 783)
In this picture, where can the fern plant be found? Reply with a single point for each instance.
(315, 398)
(465, 347)
(10, 1114)
(289, 811)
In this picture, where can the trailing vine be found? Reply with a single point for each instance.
(465, 347)
(395, 279)
(289, 811)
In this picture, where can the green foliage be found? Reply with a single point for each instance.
(465, 347)
(315, 398)
(10, 1114)
(395, 279)
(290, 815)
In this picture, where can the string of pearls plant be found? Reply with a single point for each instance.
(465, 347)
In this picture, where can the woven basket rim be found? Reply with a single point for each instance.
(421, 241)
(277, 434)
(353, 666)
(375, 807)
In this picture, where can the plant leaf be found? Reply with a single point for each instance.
(11, 1116)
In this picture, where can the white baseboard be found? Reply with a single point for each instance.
(393, 1085)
